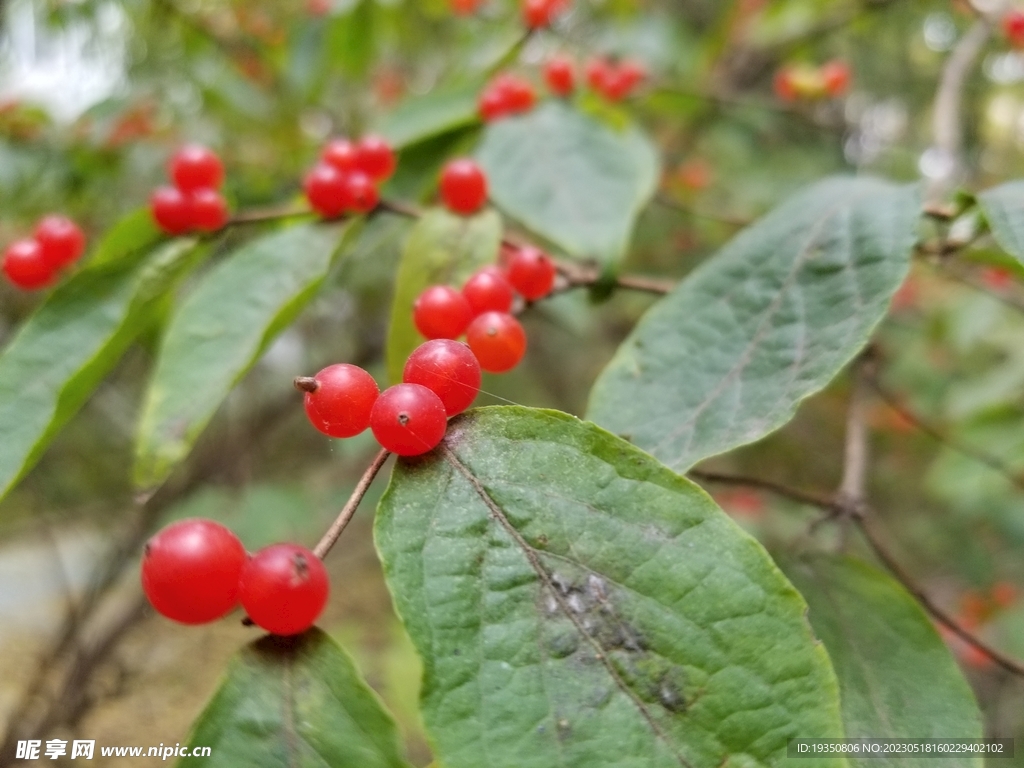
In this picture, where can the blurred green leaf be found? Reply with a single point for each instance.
(425, 117)
(219, 332)
(569, 178)
(442, 249)
(897, 679)
(352, 40)
(298, 702)
(135, 232)
(577, 604)
(1003, 207)
(73, 340)
(728, 356)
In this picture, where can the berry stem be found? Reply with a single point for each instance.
(306, 383)
(338, 526)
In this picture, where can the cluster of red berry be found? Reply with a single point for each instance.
(505, 95)
(347, 176)
(1013, 27)
(33, 262)
(615, 80)
(810, 83)
(193, 203)
(195, 571)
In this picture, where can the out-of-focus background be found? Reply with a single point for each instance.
(95, 95)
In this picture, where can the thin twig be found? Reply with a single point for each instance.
(270, 214)
(810, 498)
(852, 492)
(893, 566)
(329, 538)
(947, 123)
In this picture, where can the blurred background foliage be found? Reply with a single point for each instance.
(95, 95)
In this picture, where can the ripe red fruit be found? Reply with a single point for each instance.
(209, 210)
(1013, 27)
(531, 272)
(498, 341)
(559, 75)
(518, 93)
(463, 186)
(491, 105)
(25, 266)
(172, 210)
(836, 77)
(339, 154)
(448, 369)
(60, 239)
(341, 404)
(194, 167)
(628, 75)
(284, 588)
(190, 571)
(540, 13)
(326, 190)
(599, 73)
(488, 290)
(441, 312)
(375, 158)
(361, 193)
(408, 419)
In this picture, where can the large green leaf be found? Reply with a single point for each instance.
(728, 355)
(295, 703)
(570, 178)
(442, 249)
(1003, 207)
(578, 604)
(219, 332)
(61, 353)
(897, 679)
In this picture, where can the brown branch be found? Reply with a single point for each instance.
(893, 566)
(811, 498)
(852, 492)
(329, 538)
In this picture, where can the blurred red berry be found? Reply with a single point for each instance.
(560, 75)
(61, 240)
(836, 77)
(1013, 27)
(209, 210)
(375, 158)
(25, 266)
(327, 191)
(194, 167)
(172, 210)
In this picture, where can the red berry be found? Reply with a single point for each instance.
(190, 571)
(195, 167)
(25, 266)
(448, 369)
(60, 239)
(408, 419)
(559, 75)
(491, 105)
(375, 158)
(488, 290)
(209, 210)
(630, 74)
(599, 72)
(172, 210)
(539, 13)
(836, 77)
(1013, 27)
(361, 193)
(463, 186)
(463, 7)
(498, 341)
(531, 272)
(340, 154)
(327, 191)
(284, 588)
(441, 312)
(518, 94)
(341, 404)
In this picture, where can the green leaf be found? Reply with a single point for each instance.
(1003, 207)
(897, 679)
(219, 332)
(428, 116)
(295, 702)
(571, 179)
(73, 340)
(577, 604)
(134, 233)
(727, 357)
(442, 249)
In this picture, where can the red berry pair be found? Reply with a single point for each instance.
(346, 179)
(463, 186)
(540, 13)
(560, 75)
(506, 95)
(195, 571)
(615, 80)
(33, 262)
(193, 203)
